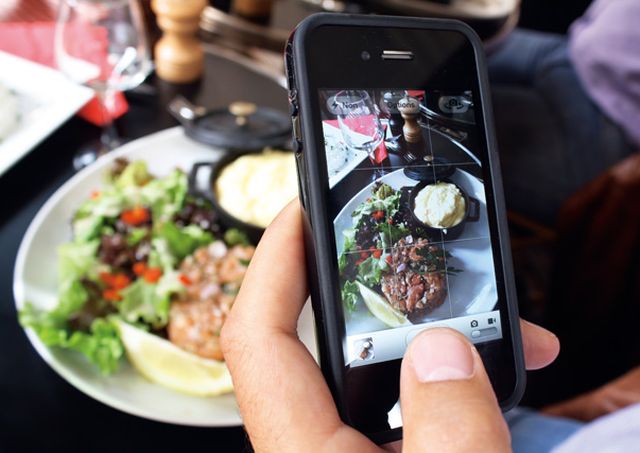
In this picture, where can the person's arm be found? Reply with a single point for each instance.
(611, 397)
(604, 50)
(447, 400)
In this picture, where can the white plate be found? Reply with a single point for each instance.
(35, 280)
(471, 291)
(46, 100)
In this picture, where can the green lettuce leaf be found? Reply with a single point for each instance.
(350, 295)
(165, 196)
(161, 255)
(72, 296)
(101, 345)
(149, 302)
(76, 259)
(136, 235)
(134, 174)
(234, 236)
(383, 199)
(109, 204)
(370, 270)
(183, 241)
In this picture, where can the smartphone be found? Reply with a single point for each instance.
(405, 223)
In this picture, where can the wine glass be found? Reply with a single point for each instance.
(359, 122)
(102, 44)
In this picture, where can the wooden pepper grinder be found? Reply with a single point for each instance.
(409, 108)
(179, 56)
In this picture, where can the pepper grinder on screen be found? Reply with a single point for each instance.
(409, 108)
(179, 56)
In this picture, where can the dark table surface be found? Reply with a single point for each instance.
(40, 410)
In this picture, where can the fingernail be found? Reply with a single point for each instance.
(441, 355)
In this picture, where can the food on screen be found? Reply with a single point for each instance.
(384, 254)
(440, 205)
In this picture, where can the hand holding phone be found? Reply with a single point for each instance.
(404, 213)
(283, 397)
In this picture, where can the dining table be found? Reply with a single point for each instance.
(40, 410)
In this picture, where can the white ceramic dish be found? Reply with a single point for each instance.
(35, 281)
(46, 100)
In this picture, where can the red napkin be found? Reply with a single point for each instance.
(34, 41)
(418, 94)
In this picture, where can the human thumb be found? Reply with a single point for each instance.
(447, 401)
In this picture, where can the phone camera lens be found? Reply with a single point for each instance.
(366, 56)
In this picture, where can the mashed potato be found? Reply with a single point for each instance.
(255, 187)
(9, 112)
(440, 205)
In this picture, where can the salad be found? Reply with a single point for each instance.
(385, 254)
(148, 264)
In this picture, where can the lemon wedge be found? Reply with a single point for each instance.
(165, 364)
(380, 308)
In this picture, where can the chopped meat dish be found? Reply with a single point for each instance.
(417, 280)
(212, 276)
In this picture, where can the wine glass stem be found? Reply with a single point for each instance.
(109, 136)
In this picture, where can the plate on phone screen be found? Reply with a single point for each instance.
(470, 291)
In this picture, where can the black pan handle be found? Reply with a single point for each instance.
(194, 188)
(474, 210)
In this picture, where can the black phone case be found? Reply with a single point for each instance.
(327, 311)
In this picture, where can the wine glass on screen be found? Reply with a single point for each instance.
(102, 44)
(359, 123)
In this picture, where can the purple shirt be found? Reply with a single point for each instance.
(604, 45)
(618, 432)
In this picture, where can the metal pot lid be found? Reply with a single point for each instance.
(241, 126)
(436, 169)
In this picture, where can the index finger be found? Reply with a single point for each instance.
(281, 392)
(275, 286)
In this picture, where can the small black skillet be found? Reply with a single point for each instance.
(439, 170)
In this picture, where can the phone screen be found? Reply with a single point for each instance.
(410, 219)
(405, 206)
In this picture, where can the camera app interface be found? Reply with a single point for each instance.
(410, 218)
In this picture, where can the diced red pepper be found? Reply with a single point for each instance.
(135, 216)
(120, 281)
(377, 253)
(139, 268)
(186, 281)
(378, 215)
(112, 295)
(390, 220)
(106, 278)
(388, 259)
(152, 274)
